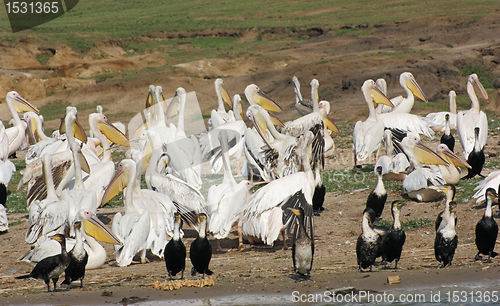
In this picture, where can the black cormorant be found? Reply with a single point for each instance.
(378, 196)
(200, 251)
(476, 157)
(51, 267)
(175, 251)
(446, 240)
(367, 246)
(303, 246)
(392, 243)
(447, 138)
(487, 229)
(319, 198)
(78, 259)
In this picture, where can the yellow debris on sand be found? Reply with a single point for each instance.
(179, 283)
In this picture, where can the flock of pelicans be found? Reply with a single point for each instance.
(70, 175)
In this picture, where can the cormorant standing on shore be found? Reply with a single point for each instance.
(200, 251)
(446, 240)
(51, 267)
(392, 243)
(303, 246)
(476, 157)
(175, 251)
(447, 138)
(378, 196)
(367, 246)
(78, 259)
(487, 229)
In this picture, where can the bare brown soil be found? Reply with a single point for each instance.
(341, 64)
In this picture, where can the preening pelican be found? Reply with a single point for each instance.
(368, 135)
(438, 120)
(184, 152)
(263, 213)
(225, 200)
(467, 121)
(422, 184)
(92, 229)
(17, 133)
(220, 116)
(302, 106)
(412, 89)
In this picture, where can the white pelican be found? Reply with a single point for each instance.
(17, 133)
(491, 181)
(329, 144)
(185, 153)
(255, 95)
(468, 120)
(302, 106)
(7, 169)
(422, 184)
(45, 144)
(137, 228)
(263, 214)
(438, 120)
(368, 135)
(93, 229)
(401, 104)
(450, 172)
(220, 116)
(225, 200)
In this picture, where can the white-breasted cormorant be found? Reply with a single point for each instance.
(476, 157)
(303, 245)
(175, 251)
(200, 251)
(446, 240)
(78, 259)
(447, 138)
(51, 267)
(445, 214)
(378, 196)
(392, 243)
(367, 246)
(487, 229)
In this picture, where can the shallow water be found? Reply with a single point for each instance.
(465, 293)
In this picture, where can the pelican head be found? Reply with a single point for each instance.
(474, 80)
(119, 180)
(324, 107)
(407, 80)
(220, 88)
(256, 96)
(373, 93)
(451, 157)
(150, 100)
(71, 119)
(420, 153)
(20, 104)
(108, 129)
(95, 228)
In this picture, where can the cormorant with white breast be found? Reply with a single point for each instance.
(303, 245)
(392, 243)
(78, 259)
(367, 246)
(51, 267)
(200, 251)
(447, 138)
(378, 196)
(175, 251)
(487, 229)
(446, 240)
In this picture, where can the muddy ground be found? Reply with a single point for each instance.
(438, 48)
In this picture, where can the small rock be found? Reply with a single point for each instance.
(107, 293)
(393, 280)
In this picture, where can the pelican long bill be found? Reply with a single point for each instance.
(21, 105)
(113, 133)
(117, 184)
(415, 89)
(427, 156)
(266, 102)
(95, 228)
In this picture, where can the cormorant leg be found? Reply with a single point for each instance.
(54, 280)
(193, 271)
(489, 258)
(283, 234)
(396, 266)
(371, 268)
(478, 257)
(81, 282)
(182, 274)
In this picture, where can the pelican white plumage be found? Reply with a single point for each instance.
(467, 121)
(185, 153)
(134, 227)
(450, 173)
(329, 143)
(368, 135)
(412, 89)
(263, 214)
(393, 166)
(220, 116)
(17, 133)
(438, 120)
(7, 169)
(422, 184)
(225, 200)
(491, 181)
(92, 231)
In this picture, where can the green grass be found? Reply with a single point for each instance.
(54, 110)
(16, 200)
(485, 77)
(408, 224)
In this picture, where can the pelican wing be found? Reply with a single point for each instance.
(407, 122)
(491, 181)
